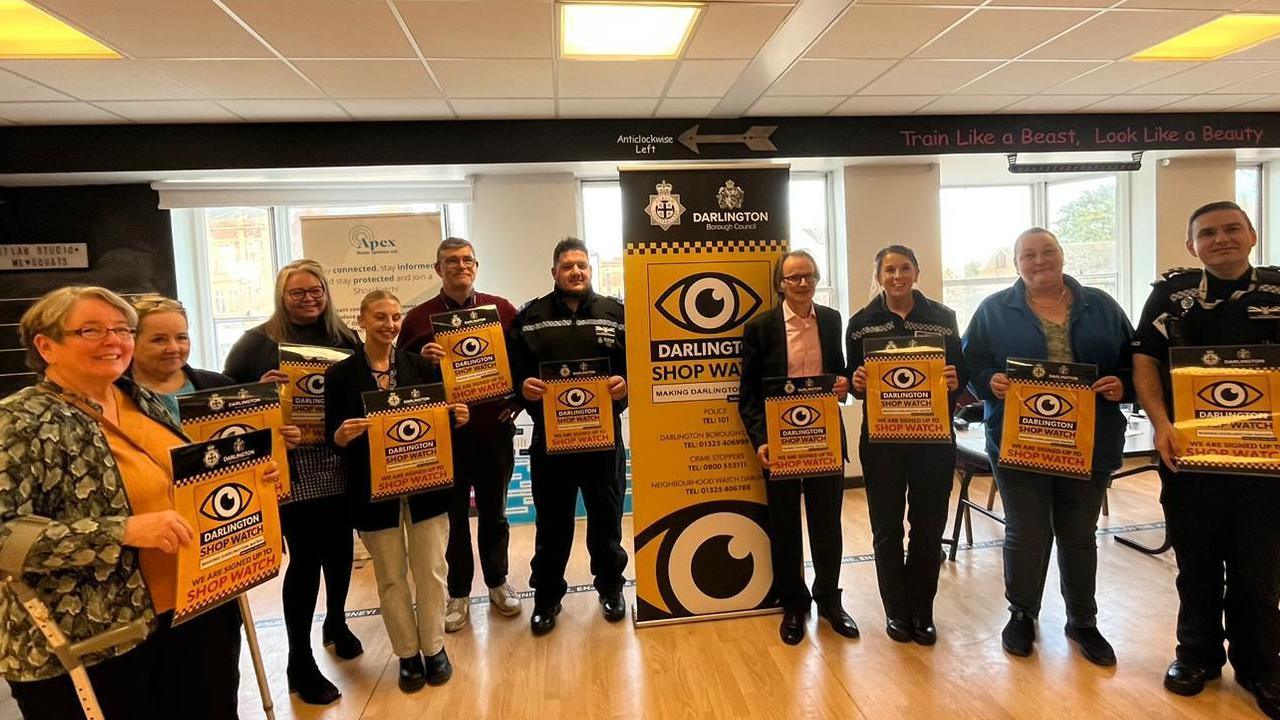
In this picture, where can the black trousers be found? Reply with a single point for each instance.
(1039, 509)
(1226, 536)
(482, 460)
(601, 476)
(823, 497)
(318, 534)
(912, 480)
(121, 684)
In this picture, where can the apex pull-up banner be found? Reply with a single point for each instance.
(227, 411)
(302, 396)
(577, 412)
(1049, 415)
(475, 363)
(1225, 408)
(220, 490)
(907, 398)
(802, 418)
(410, 440)
(701, 246)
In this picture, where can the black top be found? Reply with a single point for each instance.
(206, 379)
(344, 382)
(876, 320)
(546, 330)
(764, 354)
(255, 353)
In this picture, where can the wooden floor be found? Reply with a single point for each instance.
(588, 668)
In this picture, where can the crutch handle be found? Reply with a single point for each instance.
(134, 632)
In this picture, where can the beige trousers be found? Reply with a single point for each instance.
(411, 633)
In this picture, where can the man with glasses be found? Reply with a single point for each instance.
(482, 449)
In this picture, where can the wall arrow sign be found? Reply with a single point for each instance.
(755, 138)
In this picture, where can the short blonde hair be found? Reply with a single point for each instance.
(46, 316)
(375, 296)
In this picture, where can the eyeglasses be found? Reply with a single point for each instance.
(799, 279)
(457, 262)
(315, 293)
(151, 303)
(94, 333)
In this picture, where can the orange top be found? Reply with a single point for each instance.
(148, 481)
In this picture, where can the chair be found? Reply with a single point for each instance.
(968, 464)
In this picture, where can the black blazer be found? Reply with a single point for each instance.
(206, 379)
(764, 354)
(344, 382)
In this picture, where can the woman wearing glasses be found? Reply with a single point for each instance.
(798, 338)
(316, 525)
(906, 478)
(86, 463)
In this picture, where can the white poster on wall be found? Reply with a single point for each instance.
(363, 253)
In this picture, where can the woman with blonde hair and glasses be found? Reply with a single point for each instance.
(316, 524)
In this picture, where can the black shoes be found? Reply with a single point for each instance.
(412, 674)
(311, 687)
(1266, 693)
(544, 619)
(1019, 634)
(839, 619)
(1093, 646)
(345, 644)
(1183, 678)
(792, 628)
(898, 630)
(924, 633)
(438, 668)
(613, 606)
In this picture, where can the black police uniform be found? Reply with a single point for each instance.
(897, 472)
(1220, 525)
(546, 330)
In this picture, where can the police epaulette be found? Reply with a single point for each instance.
(526, 304)
(1181, 276)
(1268, 275)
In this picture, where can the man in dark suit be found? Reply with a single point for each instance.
(797, 339)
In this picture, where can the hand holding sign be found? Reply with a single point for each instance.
(165, 531)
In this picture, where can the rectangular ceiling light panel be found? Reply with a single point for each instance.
(29, 32)
(625, 31)
(1215, 39)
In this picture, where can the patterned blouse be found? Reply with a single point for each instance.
(55, 463)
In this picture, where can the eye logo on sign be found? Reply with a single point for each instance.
(1229, 394)
(801, 416)
(903, 378)
(312, 384)
(576, 397)
(232, 431)
(408, 430)
(226, 502)
(708, 303)
(1048, 405)
(470, 347)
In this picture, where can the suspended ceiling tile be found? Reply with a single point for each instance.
(787, 106)
(704, 78)
(968, 104)
(928, 77)
(519, 108)
(883, 31)
(1027, 77)
(1133, 103)
(1119, 77)
(101, 79)
(1269, 50)
(328, 29)
(829, 77)
(285, 110)
(1186, 4)
(1211, 103)
(964, 3)
(1265, 83)
(481, 30)
(734, 30)
(494, 78)
(605, 78)
(1001, 34)
(607, 107)
(161, 28)
(370, 78)
(1207, 78)
(1053, 103)
(883, 104)
(170, 111)
(239, 79)
(1119, 34)
(55, 113)
(686, 107)
(15, 88)
(1271, 103)
(1053, 3)
(397, 109)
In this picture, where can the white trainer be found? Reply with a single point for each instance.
(456, 612)
(505, 600)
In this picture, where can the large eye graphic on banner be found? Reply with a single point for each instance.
(231, 431)
(226, 502)
(801, 416)
(1229, 394)
(470, 346)
(702, 559)
(408, 430)
(312, 384)
(708, 303)
(575, 397)
(903, 378)
(1048, 405)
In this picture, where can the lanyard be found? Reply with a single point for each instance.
(389, 373)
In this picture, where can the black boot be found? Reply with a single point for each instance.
(311, 686)
(1019, 634)
(345, 643)
(412, 674)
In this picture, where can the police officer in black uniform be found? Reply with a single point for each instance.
(1219, 525)
(572, 323)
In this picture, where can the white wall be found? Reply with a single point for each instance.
(1182, 185)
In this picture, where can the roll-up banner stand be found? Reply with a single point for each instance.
(701, 246)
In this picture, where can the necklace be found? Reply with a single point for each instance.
(1062, 296)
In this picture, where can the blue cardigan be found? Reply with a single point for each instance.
(1004, 327)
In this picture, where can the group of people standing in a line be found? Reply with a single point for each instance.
(86, 454)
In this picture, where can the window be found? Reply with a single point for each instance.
(979, 225)
(810, 230)
(1248, 196)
